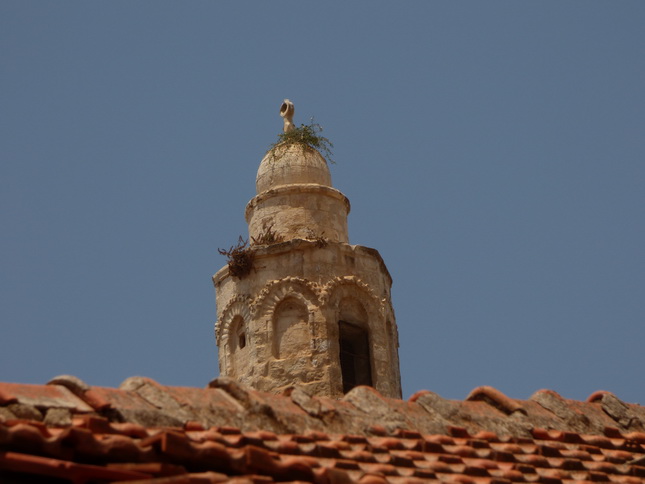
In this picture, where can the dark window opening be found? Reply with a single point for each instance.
(241, 340)
(355, 365)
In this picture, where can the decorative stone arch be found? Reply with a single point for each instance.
(357, 328)
(351, 287)
(237, 309)
(276, 291)
(291, 329)
(302, 311)
(238, 306)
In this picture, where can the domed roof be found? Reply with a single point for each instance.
(289, 164)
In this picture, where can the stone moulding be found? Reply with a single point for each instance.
(276, 291)
(311, 294)
(337, 288)
(297, 188)
(261, 252)
(237, 306)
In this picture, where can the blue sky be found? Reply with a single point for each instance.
(493, 152)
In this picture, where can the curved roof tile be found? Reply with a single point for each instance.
(145, 431)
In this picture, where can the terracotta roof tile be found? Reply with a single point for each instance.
(46, 466)
(42, 396)
(226, 432)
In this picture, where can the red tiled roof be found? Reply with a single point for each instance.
(67, 431)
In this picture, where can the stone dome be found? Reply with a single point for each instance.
(292, 164)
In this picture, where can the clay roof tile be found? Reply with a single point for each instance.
(227, 430)
(495, 398)
(41, 396)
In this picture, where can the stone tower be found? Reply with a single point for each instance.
(313, 311)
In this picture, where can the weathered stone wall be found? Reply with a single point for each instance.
(300, 211)
(291, 304)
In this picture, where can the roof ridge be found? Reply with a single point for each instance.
(363, 411)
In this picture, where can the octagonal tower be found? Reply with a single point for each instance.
(314, 311)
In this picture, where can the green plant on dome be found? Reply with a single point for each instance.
(308, 137)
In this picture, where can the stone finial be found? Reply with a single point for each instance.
(286, 111)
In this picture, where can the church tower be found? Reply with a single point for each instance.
(300, 305)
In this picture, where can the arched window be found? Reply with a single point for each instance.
(291, 328)
(237, 334)
(237, 346)
(355, 364)
(354, 342)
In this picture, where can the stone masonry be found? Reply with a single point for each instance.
(314, 312)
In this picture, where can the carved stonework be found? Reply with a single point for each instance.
(350, 286)
(277, 290)
(292, 323)
(238, 306)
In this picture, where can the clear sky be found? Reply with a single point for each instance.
(493, 152)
